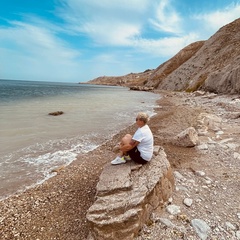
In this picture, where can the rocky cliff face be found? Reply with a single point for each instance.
(212, 65)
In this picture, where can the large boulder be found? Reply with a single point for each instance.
(186, 138)
(126, 196)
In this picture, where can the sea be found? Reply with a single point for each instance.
(33, 143)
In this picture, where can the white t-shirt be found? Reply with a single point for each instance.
(145, 138)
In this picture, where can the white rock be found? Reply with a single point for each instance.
(238, 234)
(167, 222)
(230, 226)
(181, 188)
(200, 173)
(236, 155)
(178, 175)
(208, 182)
(203, 147)
(173, 209)
(188, 202)
(201, 228)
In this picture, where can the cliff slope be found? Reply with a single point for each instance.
(212, 65)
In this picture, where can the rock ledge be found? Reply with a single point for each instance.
(126, 196)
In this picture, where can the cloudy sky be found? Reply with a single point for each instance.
(78, 40)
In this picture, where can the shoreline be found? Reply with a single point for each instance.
(57, 208)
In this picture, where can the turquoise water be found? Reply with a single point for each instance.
(32, 143)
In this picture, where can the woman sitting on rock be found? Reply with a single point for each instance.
(138, 147)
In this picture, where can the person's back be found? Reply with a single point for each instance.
(145, 138)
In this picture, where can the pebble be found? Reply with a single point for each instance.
(173, 209)
(208, 182)
(203, 147)
(188, 202)
(219, 132)
(178, 175)
(236, 155)
(167, 222)
(200, 173)
(181, 188)
(201, 228)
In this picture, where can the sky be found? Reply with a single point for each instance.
(79, 40)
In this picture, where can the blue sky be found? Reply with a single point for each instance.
(78, 40)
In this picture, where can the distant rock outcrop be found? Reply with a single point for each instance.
(131, 79)
(212, 65)
(57, 113)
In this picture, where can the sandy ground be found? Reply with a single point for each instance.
(57, 208)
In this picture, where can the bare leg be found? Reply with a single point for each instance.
(126, 140)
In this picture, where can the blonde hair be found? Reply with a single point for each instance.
(143, 117)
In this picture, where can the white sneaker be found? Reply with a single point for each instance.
(118, 160)
(127, 158)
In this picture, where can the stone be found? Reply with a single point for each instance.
(236, 155)
(187, 138)
(167, 222)
(173, 209)
(238, 234)
(188, 202)
(178, 175)
(203, 146)
(200, 173)
(57, 113)
(201, 228)
(125, 199)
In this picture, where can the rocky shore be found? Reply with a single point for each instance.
(205, 203)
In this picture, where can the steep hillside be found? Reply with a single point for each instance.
(174, 63)
(212, 65)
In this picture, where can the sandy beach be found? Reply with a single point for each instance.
(57, 208)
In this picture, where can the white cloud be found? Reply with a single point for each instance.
(165, 47)
(216, 19)
(119, 35)
(35, 51)
(167, 19)
(105, 22)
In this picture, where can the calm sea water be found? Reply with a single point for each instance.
(32, 143)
